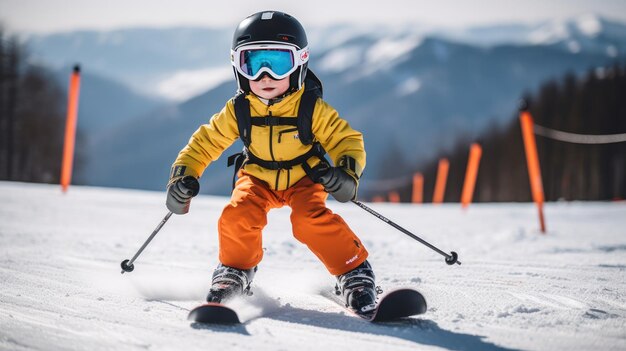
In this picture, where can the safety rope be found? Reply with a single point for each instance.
(579, 138)
(394, 183)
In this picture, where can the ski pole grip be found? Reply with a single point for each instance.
(191, 185)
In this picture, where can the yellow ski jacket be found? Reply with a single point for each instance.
(271, 143)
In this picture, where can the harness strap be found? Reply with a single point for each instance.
(239, 160)
(273, 121)
(316, 150)
(303, 122)
(246, 157)
(305, 114)
(242, 111)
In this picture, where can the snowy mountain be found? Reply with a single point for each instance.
(106, 103)
(583, 33)
(516, 289)
(410, 90)
(410, 96)
(138, 154)
(140, 58)
(146, 59)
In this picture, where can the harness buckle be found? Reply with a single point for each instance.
(270, 121)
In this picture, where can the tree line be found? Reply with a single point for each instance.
(592, 104)
(32, 117)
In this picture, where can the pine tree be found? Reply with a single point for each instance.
(32, 122)
(592, 104)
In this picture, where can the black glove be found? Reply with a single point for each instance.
(339, 184)
(180, 192)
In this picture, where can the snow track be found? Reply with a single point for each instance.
(61, 287)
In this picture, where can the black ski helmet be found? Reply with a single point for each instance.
(271, 27)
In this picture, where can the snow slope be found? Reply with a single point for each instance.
(61, 287)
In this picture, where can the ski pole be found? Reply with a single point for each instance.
(127, 265)
(451, 259)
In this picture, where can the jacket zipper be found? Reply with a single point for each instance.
(280, 134)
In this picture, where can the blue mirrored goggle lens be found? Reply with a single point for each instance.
(278, 61)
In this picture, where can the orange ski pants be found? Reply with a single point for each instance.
(325, 233)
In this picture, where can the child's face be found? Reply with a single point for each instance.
(268, 88)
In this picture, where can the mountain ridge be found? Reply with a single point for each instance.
(406, 91)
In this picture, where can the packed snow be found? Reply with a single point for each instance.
(61, 287)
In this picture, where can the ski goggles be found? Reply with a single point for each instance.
(277, 60)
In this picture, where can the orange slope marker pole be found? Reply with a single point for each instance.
(470, 174)
(378, 198)
(417, 197)
(440, 184)
(394, 197)
(70, 129)
(532, 160)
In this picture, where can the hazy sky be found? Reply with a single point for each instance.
(62, 15)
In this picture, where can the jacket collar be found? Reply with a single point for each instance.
(284, 106)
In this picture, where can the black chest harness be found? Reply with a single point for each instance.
(302, 123)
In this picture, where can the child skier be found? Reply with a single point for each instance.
(286, 128)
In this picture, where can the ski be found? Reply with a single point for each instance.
(397, 304)
(213, 313)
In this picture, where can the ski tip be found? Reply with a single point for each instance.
(213, 313)
(400, 304)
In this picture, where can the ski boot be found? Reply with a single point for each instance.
(358, 288)
(229, 282)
